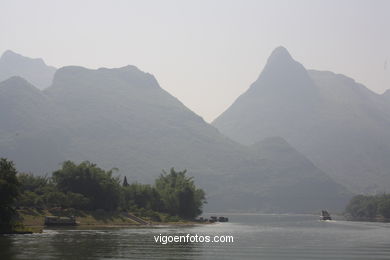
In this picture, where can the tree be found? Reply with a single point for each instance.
(362, 206)
(369, 207)
(29, 182)
(9, 191)
(179, 194)
(141, 196)
(384, 205)
(102, 190)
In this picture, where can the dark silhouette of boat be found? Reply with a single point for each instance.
(325, 215)
(218, 219)
(223, 219)
(60, 221)
(213, 219)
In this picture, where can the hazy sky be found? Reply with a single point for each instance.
(206, 53)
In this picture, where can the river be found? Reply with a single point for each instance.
(256, 236)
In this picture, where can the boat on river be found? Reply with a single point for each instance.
(60, 221)
(325, 215)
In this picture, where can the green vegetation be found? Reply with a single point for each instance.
(364, 207)
(88, 184)
(85, 189)
(179, 195)
(173, 193)
(9, 191)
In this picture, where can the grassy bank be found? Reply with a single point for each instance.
(33, 219)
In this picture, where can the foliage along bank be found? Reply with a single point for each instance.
(369, 207)
(85, 186)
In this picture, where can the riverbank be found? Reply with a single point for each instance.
(376, 219)
(33, 219)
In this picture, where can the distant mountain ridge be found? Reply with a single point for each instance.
(342, 126)
(33, 70)
(123, 118)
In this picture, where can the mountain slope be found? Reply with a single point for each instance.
(340, 125)
(30, 131)
(300, 184)
(33, 70)
(386, 95)
(123, 118)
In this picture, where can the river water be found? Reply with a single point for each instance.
(256, 236)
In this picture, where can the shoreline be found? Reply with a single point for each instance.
(42, 228)
(33, 221)
(378, 219)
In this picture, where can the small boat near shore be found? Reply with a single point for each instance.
(60, 221)
(213, 219)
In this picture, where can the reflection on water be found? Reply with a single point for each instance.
(255, 236)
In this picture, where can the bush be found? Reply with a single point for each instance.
(98, 186)
(9, 191)
(369, 207)
(384, 208)
(179, 194)
(172, 218)
(77, 200)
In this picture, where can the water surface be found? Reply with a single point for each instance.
(255, 237)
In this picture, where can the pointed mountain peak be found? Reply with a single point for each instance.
(283, 72)
(280, 53)
(280, 57)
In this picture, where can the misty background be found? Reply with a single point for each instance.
(205, 53)
(203, 86)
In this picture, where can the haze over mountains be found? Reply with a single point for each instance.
(33, 70)
(123, 118)
(340, 125)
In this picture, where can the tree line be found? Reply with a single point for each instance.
(86, 186)
(369, 207)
